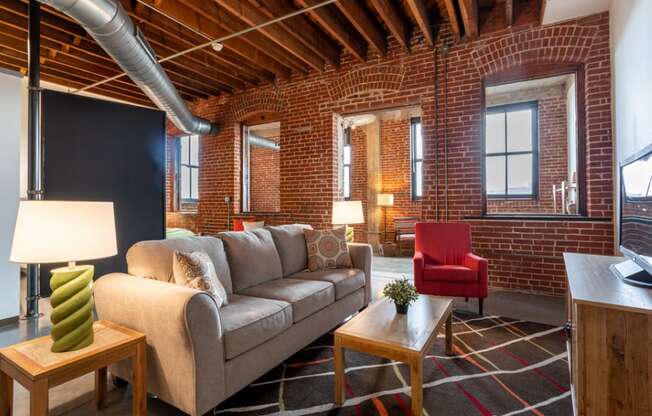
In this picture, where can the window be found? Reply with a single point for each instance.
(346, 163)
(417, 157)
(261, 167)
(188, 169)
(511, 154)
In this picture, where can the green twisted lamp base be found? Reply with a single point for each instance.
(72, 303)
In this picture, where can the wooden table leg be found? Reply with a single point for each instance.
(449, 334)
(416, 381)
(139, 386)
(340, 380)
(100, 388)
(38, 398)
(6, 394)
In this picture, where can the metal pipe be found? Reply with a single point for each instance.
(108, 23)
(436, 137)
(262, 142)
(34, 146)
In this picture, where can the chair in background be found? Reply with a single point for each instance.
(404, 231)
(444, 264)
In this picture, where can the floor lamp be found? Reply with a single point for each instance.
(385, 200)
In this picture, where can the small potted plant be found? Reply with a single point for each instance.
(402, 293)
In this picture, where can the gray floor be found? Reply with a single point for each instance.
(75, 398)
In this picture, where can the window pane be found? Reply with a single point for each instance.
(418, 141)
(519, 131)
(418, 179)
(347, 181)
(194, 150)
(185, 182)
(194, 189)
(185, 151)
(495, 175)
(347, 155)
(519, 168)
(495, 133)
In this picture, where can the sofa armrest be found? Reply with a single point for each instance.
(481, 265)
(361, 255)
(184, 337)
(418, 262)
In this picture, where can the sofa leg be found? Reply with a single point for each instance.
(466, 299)
(480, 301)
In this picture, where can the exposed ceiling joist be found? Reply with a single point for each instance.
(392, 17)
(469, 12)
(365, 23)
(420, 13)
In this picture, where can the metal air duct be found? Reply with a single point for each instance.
(108, 23)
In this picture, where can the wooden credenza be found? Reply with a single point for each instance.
(610, 344)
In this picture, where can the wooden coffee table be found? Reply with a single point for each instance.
(379, 330)
(33, 365)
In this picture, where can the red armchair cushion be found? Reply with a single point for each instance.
(446, 243)
(449, 273)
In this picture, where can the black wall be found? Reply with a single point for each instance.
(98, 150)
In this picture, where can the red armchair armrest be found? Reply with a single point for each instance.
(481, 265)
(418, 262)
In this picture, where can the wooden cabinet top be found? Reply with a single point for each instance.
(590, 281)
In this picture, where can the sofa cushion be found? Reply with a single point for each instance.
(449, 273)
(291, 245)
(249, 321)
(153, 259)
(305, 296)
(252, 256)
(346, 281)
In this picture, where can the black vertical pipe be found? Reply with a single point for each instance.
(34, 145)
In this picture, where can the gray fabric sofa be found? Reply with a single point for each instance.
(200, 355)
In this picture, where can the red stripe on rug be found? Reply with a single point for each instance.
(349, 392)
(380, 407)
(536, 370)
(483, 410)
(401, 403)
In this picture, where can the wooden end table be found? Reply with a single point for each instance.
(379, 330)
(33, 365)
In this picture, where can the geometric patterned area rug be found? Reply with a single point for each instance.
(501, 367)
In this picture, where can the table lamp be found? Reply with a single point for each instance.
(347, 213)
(66, 231)
(385, 200)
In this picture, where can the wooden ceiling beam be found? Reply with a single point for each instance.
(334, 25)
(453, 20)
(392, 17)
(509, 13)
(420, 13)
(302, 28)
(469, 12)
(207, 19)
(253, 16)
(365, 23)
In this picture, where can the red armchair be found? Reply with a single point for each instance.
(444, 264)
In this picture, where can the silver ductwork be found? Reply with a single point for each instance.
(262, 142)
(108, 23)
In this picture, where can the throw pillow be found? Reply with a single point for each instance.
(252, 225)
(197, 271)
(327, 249)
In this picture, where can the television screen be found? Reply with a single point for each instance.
(636, 208)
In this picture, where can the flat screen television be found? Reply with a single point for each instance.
(636, 218)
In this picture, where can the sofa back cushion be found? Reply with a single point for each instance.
(153, 259)
(291, 245)
(252, 257)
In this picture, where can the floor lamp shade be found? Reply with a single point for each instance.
(66, 231)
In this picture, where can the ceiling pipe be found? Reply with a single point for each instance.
(263, 142)
(108, 23)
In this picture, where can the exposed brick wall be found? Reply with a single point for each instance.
(264, 166)
(308, 106)
(396, 170)
(553, 161)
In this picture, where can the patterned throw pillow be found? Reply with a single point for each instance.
(196, 270)
(327, 249)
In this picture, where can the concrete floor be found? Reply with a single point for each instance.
(75, 398)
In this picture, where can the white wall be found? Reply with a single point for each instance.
(10, 120)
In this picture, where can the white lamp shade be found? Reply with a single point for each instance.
(62, 231)
(347, 212)
(385, 200)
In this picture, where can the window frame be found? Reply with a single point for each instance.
(507, 108)
(414, 161)
(180, 164)
(347, 143)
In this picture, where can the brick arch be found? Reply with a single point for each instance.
(558, 44)
(376, 78)
(256, 103)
